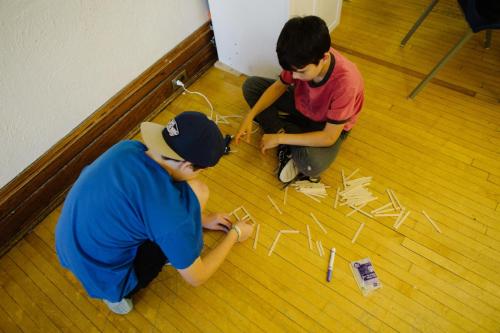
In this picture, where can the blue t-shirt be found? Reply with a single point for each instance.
(119, 201)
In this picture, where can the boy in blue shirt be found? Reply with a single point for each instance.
(138, 206)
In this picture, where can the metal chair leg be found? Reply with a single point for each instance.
(418, 23)
(441, 63)
(487, 39)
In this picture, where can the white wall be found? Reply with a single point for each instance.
(249, 46)
(60, 60)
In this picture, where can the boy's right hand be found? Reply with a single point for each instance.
(246, 228)
(245, 129)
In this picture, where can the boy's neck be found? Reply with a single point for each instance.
(324, 69)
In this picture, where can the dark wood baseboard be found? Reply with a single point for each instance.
(42, 186)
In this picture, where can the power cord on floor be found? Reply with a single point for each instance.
(218, 118)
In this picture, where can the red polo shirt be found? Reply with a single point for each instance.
(337, 99)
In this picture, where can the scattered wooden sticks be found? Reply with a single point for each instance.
(290, 231)
(314, 191)
(285, 195)
(434, 224)
(320, 248)
(274, 204)
(355, 193)
(394, 199)
(356, 209)
(274, 243)
(336, 198)
(352, 174)
(309, 239)
(376, 210)
(402, 218)
(281, 232)
(357, 233)
(256, 239)
(318, 223)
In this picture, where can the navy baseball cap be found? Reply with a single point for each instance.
(190, 136)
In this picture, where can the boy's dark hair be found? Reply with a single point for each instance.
(302, 41)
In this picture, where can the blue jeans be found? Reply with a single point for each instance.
(282, 115)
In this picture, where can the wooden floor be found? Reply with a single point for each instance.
(439, 152)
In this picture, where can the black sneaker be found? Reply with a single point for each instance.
(287, 169)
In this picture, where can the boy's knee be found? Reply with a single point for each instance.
(201, 191)
(249, 87)
(254, 87)
(309, 164)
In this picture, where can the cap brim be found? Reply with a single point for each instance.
(152, 135)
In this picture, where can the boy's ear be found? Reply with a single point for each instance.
(185, 166)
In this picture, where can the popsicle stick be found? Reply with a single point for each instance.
(318, 223)
(336, 198)
(361, 211)
(434, 224)
(290, 231)
(357, 233)
(319, 249)
(309, 236)
(352, 174)
(403, 219)
(393, 202)
(310, 196)
(274, 243)
(399, 218)
(256, 240)
(381, 207)
(396, 198)
(274, 204)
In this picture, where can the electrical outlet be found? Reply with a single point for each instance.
(181, 76)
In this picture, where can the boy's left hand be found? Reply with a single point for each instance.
(216, 221)
(268, 141)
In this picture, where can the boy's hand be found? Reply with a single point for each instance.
(244, 130)
(216, 221)
(268, 141)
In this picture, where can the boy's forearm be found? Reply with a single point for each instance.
(216, 256)
(310, 139)
(268, 98)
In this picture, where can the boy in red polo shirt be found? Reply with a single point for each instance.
(310, 110)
